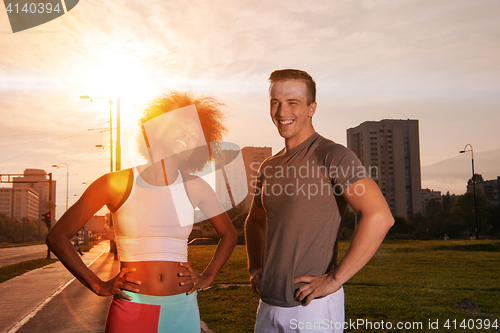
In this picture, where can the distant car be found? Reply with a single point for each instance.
(202, 241)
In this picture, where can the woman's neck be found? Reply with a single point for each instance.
(159, 173)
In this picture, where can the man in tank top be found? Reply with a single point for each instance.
(292, 227)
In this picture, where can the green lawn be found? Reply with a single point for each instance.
(5, 245)
(410, 282)
(8, 272)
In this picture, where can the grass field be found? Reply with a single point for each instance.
(10, 271)
(5, 245)
(415, 283)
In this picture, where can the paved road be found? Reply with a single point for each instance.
(25, 293)
(74, 309)
(12, 255)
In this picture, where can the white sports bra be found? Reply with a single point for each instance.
(154, 222)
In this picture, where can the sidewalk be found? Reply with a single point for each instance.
(24, 295)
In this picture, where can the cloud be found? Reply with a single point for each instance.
(431, 60)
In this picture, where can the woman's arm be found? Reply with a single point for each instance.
(104, 191)
(210, 206)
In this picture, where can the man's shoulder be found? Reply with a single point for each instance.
(327, 146)
(268, 159)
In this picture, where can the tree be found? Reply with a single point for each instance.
(477, 177)
(421, 223)
(447, 204)
(452, 226)
(437, 229)
(239, 225)
(401, 226)
(463, 213)
(433, 208)
(348, 224)
(495, 220)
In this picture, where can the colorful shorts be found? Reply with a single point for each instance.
(148, 314)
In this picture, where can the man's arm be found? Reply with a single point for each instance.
(255, 235)
(366, 199)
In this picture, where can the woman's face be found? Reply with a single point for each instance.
(174, 134)
(182, 135)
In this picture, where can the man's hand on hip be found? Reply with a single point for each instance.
(255, 281)
(317, 286)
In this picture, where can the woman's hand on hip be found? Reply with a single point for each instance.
(118, 283)
(199, 281)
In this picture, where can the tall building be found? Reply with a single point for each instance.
(37, 180)
(253, 157)
(234, 178)
(241, 178)
(19, 203)
(6, 201)
(390, 151)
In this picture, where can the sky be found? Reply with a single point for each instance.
(436, 61)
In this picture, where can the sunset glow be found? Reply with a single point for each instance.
(442, 71)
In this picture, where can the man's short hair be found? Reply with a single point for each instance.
(296, 74)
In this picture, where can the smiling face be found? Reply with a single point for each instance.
(290, 112)
(182, 135)
(173, 135)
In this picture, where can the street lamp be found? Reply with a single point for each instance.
(67, 178)
(87, 182)
(110, 124)
(118, 162)
(473, 183)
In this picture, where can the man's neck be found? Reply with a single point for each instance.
(297, 140)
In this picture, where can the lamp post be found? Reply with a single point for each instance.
(118, 161)
(91, 97)
(67, 178)
(473, 183)
(118, 165)
(87, 182)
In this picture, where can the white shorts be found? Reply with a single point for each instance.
(321, 315)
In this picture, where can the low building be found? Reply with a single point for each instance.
(489, 188)
(428, 195)
(94, 228)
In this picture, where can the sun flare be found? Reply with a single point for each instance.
(114, 75)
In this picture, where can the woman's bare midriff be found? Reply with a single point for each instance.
(158, 278)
